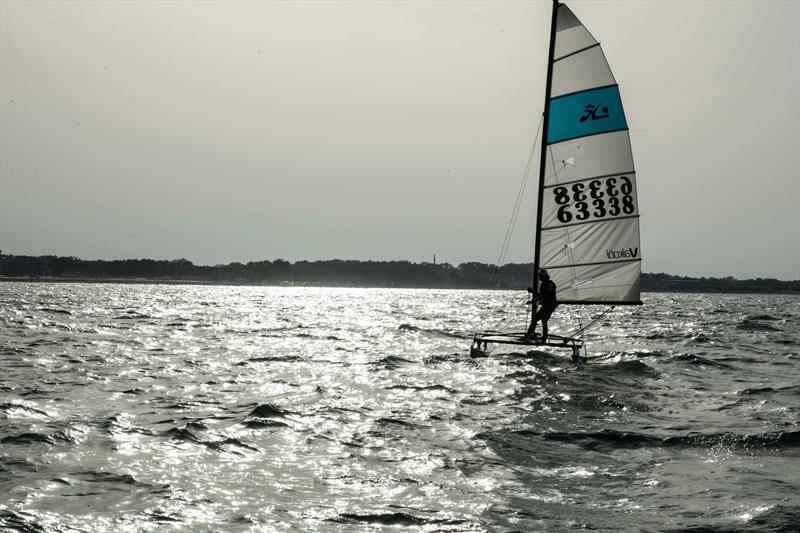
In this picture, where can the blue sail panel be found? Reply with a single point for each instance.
(585, 113)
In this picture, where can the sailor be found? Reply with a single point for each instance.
(548, 301)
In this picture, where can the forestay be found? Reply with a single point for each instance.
(589, 234)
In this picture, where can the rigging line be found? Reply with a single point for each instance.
(511, 222)
(521, 194)
(517, 208)
(515, 212)
(527, 171)
(594, 321)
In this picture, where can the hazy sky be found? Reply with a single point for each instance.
(233, 131)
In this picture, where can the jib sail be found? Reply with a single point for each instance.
(588, 221)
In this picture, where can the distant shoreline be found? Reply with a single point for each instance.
(339, 273)
(244, 283)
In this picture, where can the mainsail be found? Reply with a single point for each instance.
(587, 221)
(587, 234)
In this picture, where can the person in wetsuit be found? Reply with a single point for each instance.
(549, 302)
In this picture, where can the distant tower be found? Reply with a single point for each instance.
(434, 259)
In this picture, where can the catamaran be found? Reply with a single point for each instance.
(587, 218)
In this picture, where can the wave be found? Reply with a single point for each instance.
(762, 317)
(443, 358)
(55, 310)
(701, 338)
(133, 315)
(776, 439)
(36, 438)
(396, 519)
(438, 332)
(270, 359)
(265, 423)
(183, 434)
(663, 336)
(126, 481)
(616, 439)
(392, 361)
(778, 519)
(266, 416)
(421, 387)
(383, 519)
(110, 477)
(794, 389)
(397, 422)
(22, 464)
(114, 326)
(180, 433)
(11, 406)
(110, 421)
(6, 350)
(20, 521)
(601, 404)
(44, 342)
(600, 439)
(268, 410)
(633, 367)
(197, 424)
(787, 342)
(236, 443)
(697, 360)
(115, 422)
(160, 517)
(754, 325)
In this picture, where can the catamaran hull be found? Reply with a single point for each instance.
(481, 341)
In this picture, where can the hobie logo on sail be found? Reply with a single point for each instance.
(585, 113)
(594, 112)
(625, 253)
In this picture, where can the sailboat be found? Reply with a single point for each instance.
(587, 218)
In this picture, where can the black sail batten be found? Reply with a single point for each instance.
(553, 267)
(576, 52)
(566, 139)
(574, 93)
(583, 222)
(591, 178)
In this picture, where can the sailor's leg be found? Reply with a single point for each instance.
(532, 329)
(475, 350)
(544, 313)
(576, 354)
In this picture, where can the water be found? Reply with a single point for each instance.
(274, 409)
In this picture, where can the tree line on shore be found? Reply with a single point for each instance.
(472, 275)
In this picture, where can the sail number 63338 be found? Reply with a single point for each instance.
(599, 199)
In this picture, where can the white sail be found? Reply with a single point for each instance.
(587, 224)
(589, 235)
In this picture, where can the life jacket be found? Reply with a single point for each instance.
(548, 291)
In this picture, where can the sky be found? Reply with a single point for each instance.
(245, 131)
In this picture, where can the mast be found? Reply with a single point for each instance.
(543, 160)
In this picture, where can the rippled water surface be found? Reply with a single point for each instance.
(276, 409)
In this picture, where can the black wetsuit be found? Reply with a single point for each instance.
(547, 296)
